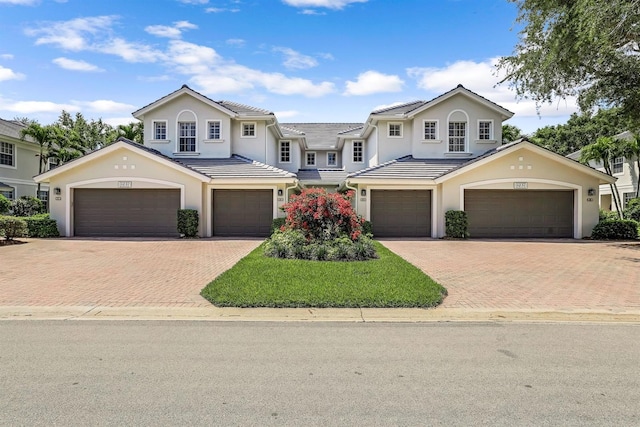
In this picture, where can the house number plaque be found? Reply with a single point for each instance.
(125, 184)
(520, 185)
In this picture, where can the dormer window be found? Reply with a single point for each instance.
(214, 130)
(430, 130)
(248, 130)
(395, 130)
(485, 130)
(457, 137)
(160, 130)
(187, 137)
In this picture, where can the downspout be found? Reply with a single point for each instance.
(355, 192)
(266, 142)
(286, 189)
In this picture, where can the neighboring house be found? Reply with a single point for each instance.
(624, 170)
(409, 164)
(19, 162)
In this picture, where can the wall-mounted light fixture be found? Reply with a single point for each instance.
(280, 192)
(56, 191)
(363, 192)
(591, 192)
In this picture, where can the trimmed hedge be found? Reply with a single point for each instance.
(5, 205)
(12, 227)
(27, 206)
(456, 224)
(277, 224)
(188, 222)
(41, 226)
(621, 229)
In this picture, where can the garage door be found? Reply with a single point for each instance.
(126, 212)
(242, 212)
(405, 213)
(512, 213)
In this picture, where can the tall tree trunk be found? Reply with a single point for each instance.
(614, 190)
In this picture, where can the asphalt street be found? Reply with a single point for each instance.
(141, 373)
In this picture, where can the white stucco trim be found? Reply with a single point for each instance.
(577, 199)
(72, 185)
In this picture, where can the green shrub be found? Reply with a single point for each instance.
(277, 224)
(608, 215)
(633, 209)
(41, 226)
(27, 206)
(12, 227)
(5, 205)
(456, 224)
(620, 229)
(367, 228)
(188, 221)
(293, 244)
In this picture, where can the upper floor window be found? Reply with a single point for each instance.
(332, 159)
(457, 137)
(52, 163)
(358, 155)
(213, 129)
(395, 130)
(7, 154)
(9, 193)
(160, 130)
(311, 158)
(430, 129)
(485, 130)
(626, 197)
(617, 165)
(187, 136)
(285, 151)
(249, 130)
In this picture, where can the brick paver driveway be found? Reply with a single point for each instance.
(114, 273)
(537, 274)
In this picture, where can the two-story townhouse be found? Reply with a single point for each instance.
(408, 165)
(19, 163)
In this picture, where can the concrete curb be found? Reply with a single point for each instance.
(364, 315)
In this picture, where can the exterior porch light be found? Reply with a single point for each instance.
(280, 192)
(591, 192)
(56, 191)
(363, 192)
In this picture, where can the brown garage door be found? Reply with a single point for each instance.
(126, 212)
(401, 213)
(513, 213)
(242, 212)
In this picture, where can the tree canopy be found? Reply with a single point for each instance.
(584, 48)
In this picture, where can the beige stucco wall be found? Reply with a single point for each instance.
(122, 164)
(539, 172)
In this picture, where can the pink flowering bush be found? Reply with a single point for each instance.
(321, 226)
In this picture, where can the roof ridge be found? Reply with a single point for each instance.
(264, 165)
(381, 110)
(248, 107)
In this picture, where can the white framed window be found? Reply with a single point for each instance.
(52, 163)
(617, 165)
(394, 130)
(485, 130)
(159, 130)
(43, 195)
(285, 151)
(626, 197)
(249, 130)
(8, 193)
(214, 129)
(357, 152)
(311, 158)
(332, 158)
(187, 137)
(430, 130)
(457, 137)
(7, 154)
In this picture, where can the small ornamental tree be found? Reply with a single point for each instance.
(323, 216)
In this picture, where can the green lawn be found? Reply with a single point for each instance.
(260, 281)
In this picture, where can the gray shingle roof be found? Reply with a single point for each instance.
(322, 176)
(234, 167)
(11, 128)
(321, 135)
(409, 168)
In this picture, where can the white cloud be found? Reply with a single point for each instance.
(221, 10)
(19, 2)
(194, 1)
(295, 60)
(153, 79)
(32, 107)
(172, 32)
(130, 52)
(328, 4)
(326, 56)
(71, 35)
(482, 78)
(286, 114)
(75, 65)
(6, 56)
(371, 82)
(235, 42)
(311, 12)
(105, 106)
(9, 74)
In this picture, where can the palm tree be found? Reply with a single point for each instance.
(604, 150)
(43, 136)
(510, 133)
(66, 146)
(631, 149)
(133, 131)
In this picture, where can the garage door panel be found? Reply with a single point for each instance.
(512, 213)
(401, 213)
(242, 212)
(126, 212)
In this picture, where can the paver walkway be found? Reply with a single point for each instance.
(536, 274)
(115, 273)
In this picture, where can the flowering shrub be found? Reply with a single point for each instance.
(321, 226)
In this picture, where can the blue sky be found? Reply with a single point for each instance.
(305, 60)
